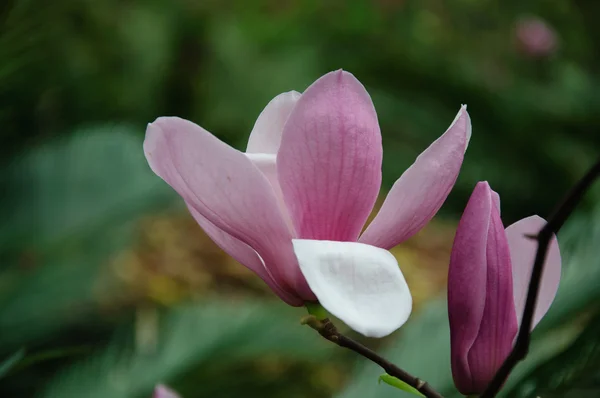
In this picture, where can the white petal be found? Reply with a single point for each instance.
(360, 284)
(266, 134)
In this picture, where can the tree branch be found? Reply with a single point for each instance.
(328, 330)
(555, 222)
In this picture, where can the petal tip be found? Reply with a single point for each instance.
(462, 122)
(161, 391)
(483, 185)
(537, 218)
(341, 77)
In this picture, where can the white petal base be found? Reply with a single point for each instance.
(360, 284)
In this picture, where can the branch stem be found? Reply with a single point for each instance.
(328, 330)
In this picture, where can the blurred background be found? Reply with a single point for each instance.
(108, 287)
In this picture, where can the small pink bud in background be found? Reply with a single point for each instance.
(161, 391)
(488, 278)
(535, 37)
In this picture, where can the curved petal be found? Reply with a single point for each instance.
(496, 201)
(267, 164)
(266, 134)
(225, 187)
(467, 276)
(498, 326)
(360, 284)
(329, 162)
(246, 256)
(161, 391)
(420, 192)
(522, 253)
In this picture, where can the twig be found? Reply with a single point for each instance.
(328, 330)
(555, 222)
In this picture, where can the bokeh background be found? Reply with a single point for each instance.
(108, 287)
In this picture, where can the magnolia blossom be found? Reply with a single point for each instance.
(489, 274)
(164, 392)
(292, 207)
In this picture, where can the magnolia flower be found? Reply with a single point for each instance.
(293, 206)
(489, 274)
(161, 391)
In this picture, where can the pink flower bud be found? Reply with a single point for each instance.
(535, 37)
(488, 279)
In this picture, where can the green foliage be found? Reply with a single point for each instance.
(213, 335)
(572, 373)
(74, 187)
(73, 203)
(8, 364)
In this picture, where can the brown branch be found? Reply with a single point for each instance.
(328, 330)
(555, 222)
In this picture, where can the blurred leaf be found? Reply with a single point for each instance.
(572, 373)
(424, 346)
(187, 338)
(399, 384)
(51, 298)
(72, 203)
(581, 268)
(75, 186)
(11, 362)
(42, 356)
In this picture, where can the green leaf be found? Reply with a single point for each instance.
(572, 373)
(395, 382)
(72, 203)
(76, 186)
(189, 338)
(8, 364)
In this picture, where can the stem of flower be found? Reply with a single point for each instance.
(315, 309)
(555, 222)
(328, 330)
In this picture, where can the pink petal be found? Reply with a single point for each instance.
(467, 279)
(266, 163)
(522, 253)
(499, 323)
(264, 141)
(480, 304)
(246, 256)
(225, 187)
(329, 162)
(496, 201)
(164, 392)
(266, 134)
(420, 192)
